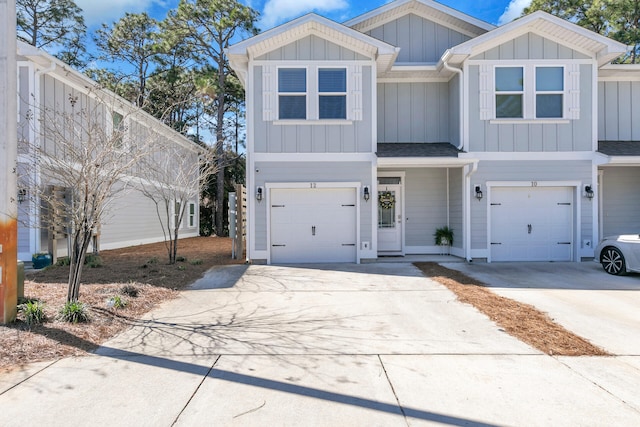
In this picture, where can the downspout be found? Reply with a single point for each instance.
(458, 71)
(36, 208)
(467, 213)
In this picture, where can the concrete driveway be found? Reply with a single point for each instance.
(357, 345)
(602, 308)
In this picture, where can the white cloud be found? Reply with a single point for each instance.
(98, 12)
(513, 11)
(278, 11)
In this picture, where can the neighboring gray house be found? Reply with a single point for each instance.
(365, 137)
(46, 82)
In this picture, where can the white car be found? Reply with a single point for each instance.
(619, 254)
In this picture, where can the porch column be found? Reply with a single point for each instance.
(8, 163)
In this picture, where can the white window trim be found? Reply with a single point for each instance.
(571, 92)
(191, 217)
(271, 93)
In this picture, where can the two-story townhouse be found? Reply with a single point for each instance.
(366, 137)
(45, 83)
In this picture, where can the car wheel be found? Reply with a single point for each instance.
(612, 261)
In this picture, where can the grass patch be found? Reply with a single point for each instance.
(33, 311)
(74, 312)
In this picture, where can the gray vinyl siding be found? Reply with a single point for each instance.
(426, 204)
(420, 40)
(454, 111)
(456, 209)
(24, 104)
(414, 112)
(356, 137)
(620, 200)
(531, 137)
(531, 46)
(312, 48)
(528, 171)
(272, 172)
(619, 111)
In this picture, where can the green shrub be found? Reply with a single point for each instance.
(153, 260)
(195, 262)
(117, 302)
(182, 267)
(74, 312)
(33, 311)
(93, 261)
(180, 259)
(129, 290)
(63, 261)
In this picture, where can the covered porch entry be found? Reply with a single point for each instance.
(420, 188)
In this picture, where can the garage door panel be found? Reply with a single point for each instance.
(313, 225)
(531, 224)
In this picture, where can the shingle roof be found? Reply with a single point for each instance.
(416, 149)
(618, 148)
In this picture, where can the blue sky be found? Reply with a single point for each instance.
(274, 12)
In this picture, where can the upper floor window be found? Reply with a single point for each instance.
(530, 92)
(549, 92)
(332, 88)
(314, 92)
(292, 93)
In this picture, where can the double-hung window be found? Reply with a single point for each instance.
(529, 92)
(509, 92)
(292, 93)
(318, 93)
(549, 92)
(332, 91)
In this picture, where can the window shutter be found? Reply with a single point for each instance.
(355, 75)
(572, 90)
(487, 100)
(269, 92)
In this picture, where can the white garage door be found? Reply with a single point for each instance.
(313, 225)
(531, 223)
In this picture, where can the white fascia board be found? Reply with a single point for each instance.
(314, 157)
(528, 156)
(623, 161)
(420, 162)
(389, 8)
(619, 72)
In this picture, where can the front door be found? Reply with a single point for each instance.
(389, 218)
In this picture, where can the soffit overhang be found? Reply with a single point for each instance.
(241, 53)
(601, 48)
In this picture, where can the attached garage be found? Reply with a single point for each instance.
(313, 225)
(531, 223)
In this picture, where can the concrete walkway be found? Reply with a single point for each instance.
(356, 345)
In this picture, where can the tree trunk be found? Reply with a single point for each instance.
(220, 144)
(81, 240)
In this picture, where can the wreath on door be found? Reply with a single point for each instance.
(386, 200)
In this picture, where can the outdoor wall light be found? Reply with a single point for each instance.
(478, 193)
(588, 191)
(259, 191)
(22, 195)
(366, 195)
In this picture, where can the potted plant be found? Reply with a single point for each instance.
(444, 236)
(41, 260)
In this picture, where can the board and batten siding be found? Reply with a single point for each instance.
(531, 137)
(312, 48)
(620, 201)
(456, 207)
(526, 172)
(279, 172)
(530, 46)
(413, 112)
(619, 111)
(356, 137)
(420, 40)
(426, 204)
